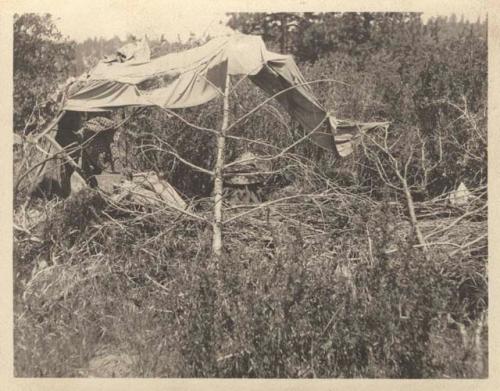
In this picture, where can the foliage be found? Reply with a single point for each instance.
(329, 300)
(42, 58)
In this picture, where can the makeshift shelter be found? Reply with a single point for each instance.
(198, 75)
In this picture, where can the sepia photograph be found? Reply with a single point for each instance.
(204, 193)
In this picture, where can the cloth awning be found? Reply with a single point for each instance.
(196, 76)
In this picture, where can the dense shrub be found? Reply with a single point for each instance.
(42, 59)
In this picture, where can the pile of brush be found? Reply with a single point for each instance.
(94, 274)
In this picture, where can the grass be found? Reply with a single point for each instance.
(300, 292)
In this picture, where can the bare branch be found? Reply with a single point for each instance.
(282, 152)
(268, 203)
(456, 221)
(259, 106)
(152, 147)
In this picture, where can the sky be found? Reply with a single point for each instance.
(174, 24)
(176, 19)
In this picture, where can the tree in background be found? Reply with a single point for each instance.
(90, 51)
(42, 59)
(278, 30)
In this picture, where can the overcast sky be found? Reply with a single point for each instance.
(174, 24)
(178, 18)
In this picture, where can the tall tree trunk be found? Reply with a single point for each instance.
(218, 181)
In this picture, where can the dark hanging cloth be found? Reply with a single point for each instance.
(54, 177)
(92, 150)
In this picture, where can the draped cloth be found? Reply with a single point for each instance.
(197, 75)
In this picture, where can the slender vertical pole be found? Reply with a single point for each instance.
(218, 181)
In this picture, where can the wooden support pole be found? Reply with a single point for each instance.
(218, 178)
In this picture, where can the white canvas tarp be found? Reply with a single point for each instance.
(196, 76)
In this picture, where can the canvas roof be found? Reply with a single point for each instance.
(196, 76)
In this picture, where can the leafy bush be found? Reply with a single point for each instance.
(42, 59)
